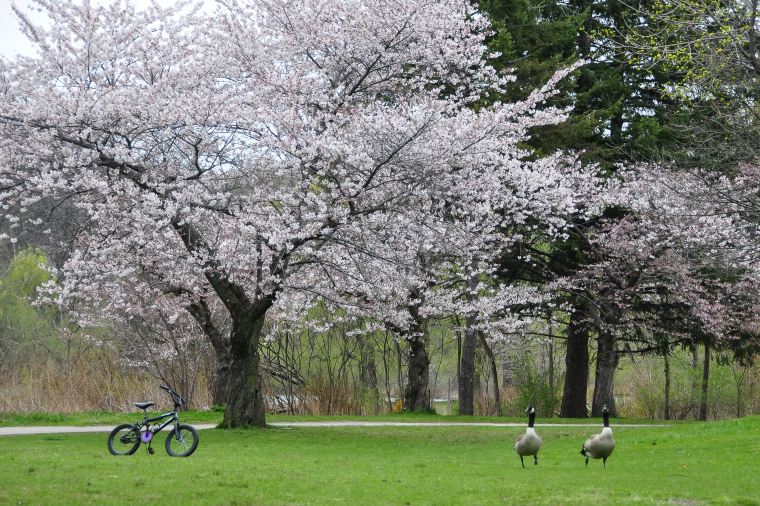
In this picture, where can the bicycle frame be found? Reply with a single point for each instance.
(173, 418)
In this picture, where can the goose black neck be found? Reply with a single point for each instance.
(606, 417)
(531, 419)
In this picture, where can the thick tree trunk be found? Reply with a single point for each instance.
(467, 369)
(221, 344)
(417, 392)
(705, 384)
(245, 403)
(221, 384)
(494, 372)
(606, 363)
(576, 369)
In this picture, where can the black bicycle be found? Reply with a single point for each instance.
(181, 441)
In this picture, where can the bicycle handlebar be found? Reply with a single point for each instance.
(178, 400)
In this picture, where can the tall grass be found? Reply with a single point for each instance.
(99, 380)
(99, 383)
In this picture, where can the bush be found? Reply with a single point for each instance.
(530, 389)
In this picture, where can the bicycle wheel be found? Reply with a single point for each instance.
(182, 444)
(124, 439)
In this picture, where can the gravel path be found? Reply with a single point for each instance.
(63, 429)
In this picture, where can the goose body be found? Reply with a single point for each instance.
(601, 445)
(529, 443)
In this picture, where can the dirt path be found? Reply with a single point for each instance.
(63, 429)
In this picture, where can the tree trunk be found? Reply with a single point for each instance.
(368, 371)
(739, 382)
(417, 392)
(221, 345)
(666, 356)
(386, 369)
(221, 384)
(576, 369)
(367, 366)
(245, 403)
(467, 357)
(606, 363)
(494, 372)
(399, 364)
(550, 353)
(458, 333)
(738, 400)
(705, 384)
(694, 404)
(467, 369)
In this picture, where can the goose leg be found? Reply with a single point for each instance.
(605, 462)
(586, 461)
(522, 462)
(535, 459)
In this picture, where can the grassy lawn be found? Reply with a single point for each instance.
(685, 464)
(108, 418)
(98, 418)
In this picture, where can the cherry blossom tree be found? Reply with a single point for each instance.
(234, 162)
(671, 266)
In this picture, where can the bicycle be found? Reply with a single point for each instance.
(181, 441)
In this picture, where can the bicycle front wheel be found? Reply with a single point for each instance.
(124, 439)
(182, 443)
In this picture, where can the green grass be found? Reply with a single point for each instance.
(694, 463)
(432, 417)
(97, 418)
(108, 418)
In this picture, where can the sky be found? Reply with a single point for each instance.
(13, 42)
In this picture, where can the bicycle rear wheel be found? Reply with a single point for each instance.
(182, 443)
(124, 439)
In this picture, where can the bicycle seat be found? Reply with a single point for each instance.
(144, 405)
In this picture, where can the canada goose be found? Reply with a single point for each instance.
(529, 443)
(601, 445)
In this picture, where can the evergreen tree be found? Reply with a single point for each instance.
(618, 114)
